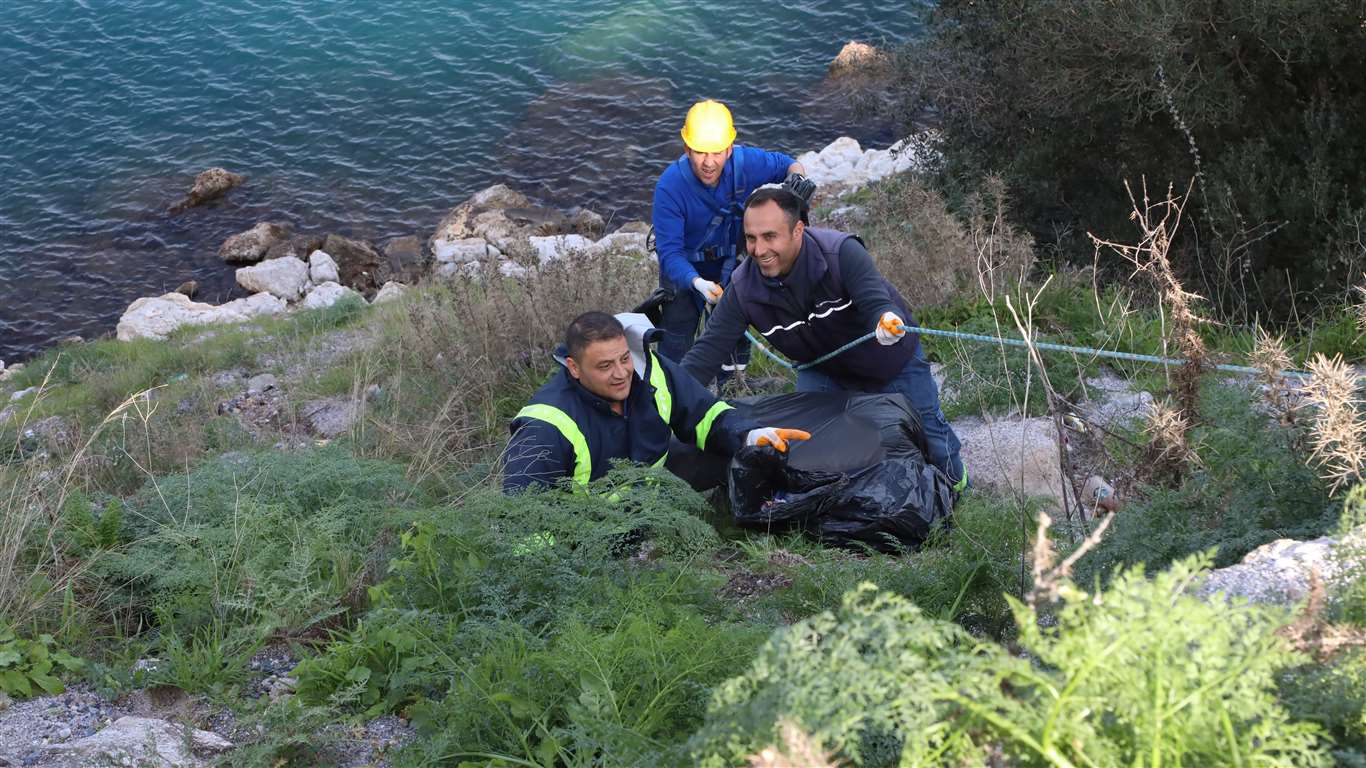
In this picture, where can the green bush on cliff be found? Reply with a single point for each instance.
(1141, 673)
(1259, 103)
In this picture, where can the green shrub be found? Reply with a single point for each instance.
(1141, 674)
(1251, 486)
(1255, 103)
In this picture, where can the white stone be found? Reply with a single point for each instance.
(284, 277)
(141, 741)
(156, 317)
(474, 269)
(327, 294)
(841, 151)
(1014, 456)
(322, 268)
(1282, 571)
(21, 394)
(390, 291)
(555, 247)
(463, 250)
(625, 242)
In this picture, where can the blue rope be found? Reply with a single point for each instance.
(1049, 346)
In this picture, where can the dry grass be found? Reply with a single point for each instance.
(926, 251)
(465, 353)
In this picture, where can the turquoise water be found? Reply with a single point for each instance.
(367, 118)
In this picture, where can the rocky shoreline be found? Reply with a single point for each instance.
(496, 229)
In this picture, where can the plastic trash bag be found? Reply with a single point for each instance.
(861, 480)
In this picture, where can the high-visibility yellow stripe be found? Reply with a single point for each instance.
(583, 462)
(704, 426)
(664, 401)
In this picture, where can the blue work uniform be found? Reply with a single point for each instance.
(568, 432)
(699, 231)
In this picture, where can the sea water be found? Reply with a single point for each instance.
(366, 118)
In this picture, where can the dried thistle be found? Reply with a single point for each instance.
(1337, 437)
(800, 750)
(1168, 450)
(1158, 222)
(1359, 309)
(1270, 358)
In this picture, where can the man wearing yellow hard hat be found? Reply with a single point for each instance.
(698, 219)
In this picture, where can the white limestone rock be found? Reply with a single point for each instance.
(284, 277)
(156, 317)
(463, 250)
(327, 294)
(556, 247)
(140, 741)
(390, 291)
(322, 268)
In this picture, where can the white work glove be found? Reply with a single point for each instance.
(776, 437)
(890, 329)
(709, 290)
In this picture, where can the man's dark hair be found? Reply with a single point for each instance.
(588, 328)
(790, 203)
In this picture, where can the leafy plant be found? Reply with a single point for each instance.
(30, 666)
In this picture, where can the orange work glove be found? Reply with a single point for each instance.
(776, 437)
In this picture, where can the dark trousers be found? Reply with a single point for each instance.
(679, 319)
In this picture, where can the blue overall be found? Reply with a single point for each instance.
(698, 231)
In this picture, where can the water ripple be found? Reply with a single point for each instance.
(365, 118)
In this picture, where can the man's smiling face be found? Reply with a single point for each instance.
(772, 239)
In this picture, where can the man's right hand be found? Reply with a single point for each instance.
(709, 290)
(776, 437)
(800, 186)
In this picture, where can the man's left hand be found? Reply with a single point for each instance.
(890, 329)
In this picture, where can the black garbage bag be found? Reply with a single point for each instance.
(861, 480)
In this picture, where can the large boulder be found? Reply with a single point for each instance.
(284, 278)
(463, 251)
(158, 316)
(403, 260)
(140, 741)
(1283, 571)
(501, 216)
(327, 294)
(1014, 456)
(322, 268)
(330, 417)
(390, 292)
(358, 263)
(251, 246)
(210, 185)
(856, 58)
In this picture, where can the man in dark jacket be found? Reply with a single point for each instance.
(614, 402)
(811, 291)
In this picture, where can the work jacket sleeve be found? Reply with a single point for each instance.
(867, 288)
(764, 167)
(699, 418)
(668, 215)
(537, 455)
(724, 328)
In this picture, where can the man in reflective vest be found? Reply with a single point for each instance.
(610, 402)
(697, 215)
(809, 292)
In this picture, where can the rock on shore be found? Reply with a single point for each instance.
(157, 317)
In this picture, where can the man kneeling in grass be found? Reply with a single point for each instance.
(609, 403)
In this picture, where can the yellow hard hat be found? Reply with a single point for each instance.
(708, 127)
